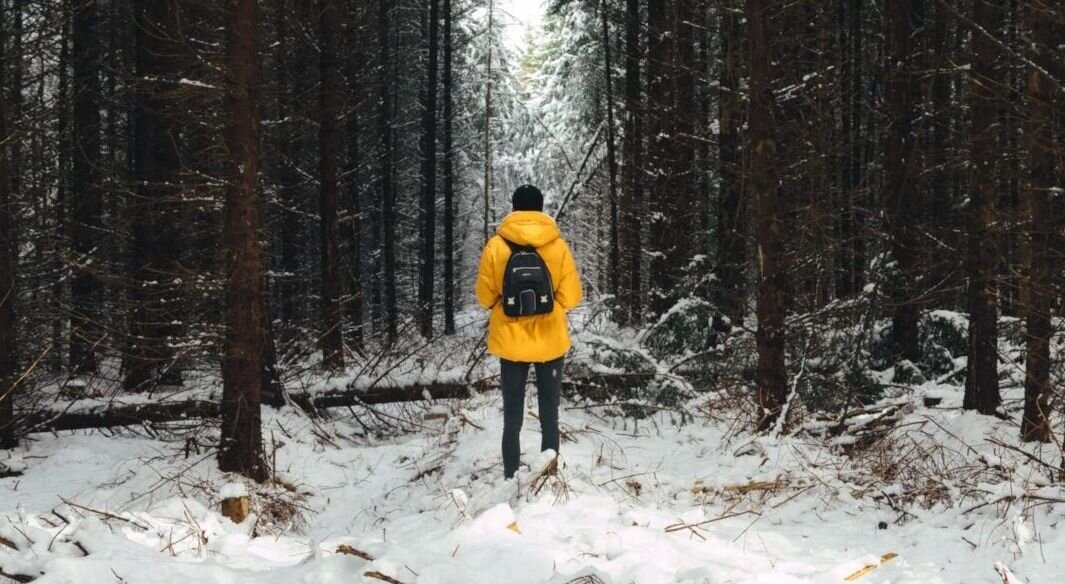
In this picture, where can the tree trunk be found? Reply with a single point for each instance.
(57, 241)
(900, 214)
(157, 162)
(427, 279)
(8, 264)
(772, 384)
(614, 263)
(449, 179)
(241, 448)
(87, 200)
(631, 201)
(851, 260)
(330, 341)
(661, 95)
(295, 64)
(1008, 167)
(353, 219)
(1038, 235)
(388, 190)
(981, 383)
(488, 120)
(732, 217)
(16, 121)
(939, 203)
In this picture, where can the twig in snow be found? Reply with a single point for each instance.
(550, 471)
(1027, 455)
(1006, 574)
(350, 551)
(17, 577)
(692, 526)
(103, 514)
(782, 418)
(382, 577)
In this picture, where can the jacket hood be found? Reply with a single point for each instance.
(529, 228)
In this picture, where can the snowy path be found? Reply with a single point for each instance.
(629, 492)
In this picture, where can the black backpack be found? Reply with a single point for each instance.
(527, 288)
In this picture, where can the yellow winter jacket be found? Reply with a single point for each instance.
(533, 339)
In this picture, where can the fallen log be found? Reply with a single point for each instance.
(382, 395)
(113, 417)
(135, 415)
(594, 387)
(602, 387)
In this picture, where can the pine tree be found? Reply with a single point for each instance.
(771, 380)
(8, 265)
(449, 172)
(732, 216)
(241, 448)
(427, 276)
(331, 339)
(902, 205)
(157, 162)
(631, 200)
(1037, 292)
(981, 380)
(87, 197)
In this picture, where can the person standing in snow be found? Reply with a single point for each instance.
(527, 324)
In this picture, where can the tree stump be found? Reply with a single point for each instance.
(235, 503)
(236, 509)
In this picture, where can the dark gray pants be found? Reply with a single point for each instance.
(548, 381)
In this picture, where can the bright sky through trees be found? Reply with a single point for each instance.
(520, 16)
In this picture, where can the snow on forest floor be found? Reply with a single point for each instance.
(641, 503)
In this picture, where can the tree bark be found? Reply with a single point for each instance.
(1038, 235)
(772, 383)
(427, 276)
(87, 201)
(241, 449)
(901, 212)
(331, 340)
(981, 382)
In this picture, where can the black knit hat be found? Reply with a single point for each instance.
(528, 198)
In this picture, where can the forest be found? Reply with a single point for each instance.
(830, 221)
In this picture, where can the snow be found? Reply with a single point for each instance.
(646, 502)
(233, 491)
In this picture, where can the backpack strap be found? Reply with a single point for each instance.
(516, 247)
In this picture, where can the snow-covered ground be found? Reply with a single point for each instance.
(644, 502)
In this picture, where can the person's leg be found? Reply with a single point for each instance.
(512, 379)
(548, 385)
